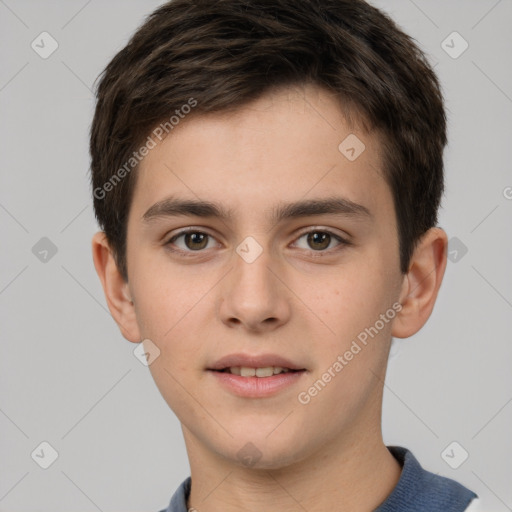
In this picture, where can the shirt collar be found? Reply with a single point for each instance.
(417, 489)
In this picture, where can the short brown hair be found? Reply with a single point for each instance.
(225, 53)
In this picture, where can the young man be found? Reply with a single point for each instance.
(267, 176)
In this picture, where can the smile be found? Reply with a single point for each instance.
(256, 382)
(267, 371)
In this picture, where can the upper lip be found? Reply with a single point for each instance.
(254, 361)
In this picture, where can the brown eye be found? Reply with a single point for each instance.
(196, 241)
(190, 241)
(319, 240)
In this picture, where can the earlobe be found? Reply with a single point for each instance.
(117, 293)
(421, 283)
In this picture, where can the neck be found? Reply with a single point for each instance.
(358, 473)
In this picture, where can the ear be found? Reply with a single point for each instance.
(421, 283)
(116, 289)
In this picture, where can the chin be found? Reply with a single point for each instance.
(249, 456)
(261, 452)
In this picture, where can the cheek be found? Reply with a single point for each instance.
(353, 300)
(351, 306)
(163, 298)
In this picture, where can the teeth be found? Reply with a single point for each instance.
(265, 372)
(245, 371)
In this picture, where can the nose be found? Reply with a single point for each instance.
(253, 297)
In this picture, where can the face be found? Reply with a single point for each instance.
(292, 261)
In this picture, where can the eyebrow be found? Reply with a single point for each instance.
(172, 207)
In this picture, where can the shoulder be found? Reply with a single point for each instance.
(419, 489)
(179, 499)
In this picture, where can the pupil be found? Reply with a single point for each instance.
(195, 241)
(323, 239)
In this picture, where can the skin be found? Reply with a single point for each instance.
(304, 301)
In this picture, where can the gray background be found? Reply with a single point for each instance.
(69, 378)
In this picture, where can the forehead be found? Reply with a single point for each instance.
(290, 144)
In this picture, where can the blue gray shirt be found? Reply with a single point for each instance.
(417, 490)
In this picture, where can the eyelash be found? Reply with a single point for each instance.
(342, 242)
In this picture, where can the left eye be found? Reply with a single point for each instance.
(319, 240)
(192, 241)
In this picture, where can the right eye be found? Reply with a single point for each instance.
(190, 241)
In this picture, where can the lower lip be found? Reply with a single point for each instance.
(257, 387)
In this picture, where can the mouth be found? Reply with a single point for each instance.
(260, 372)
(256, 376)
(251, 365)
